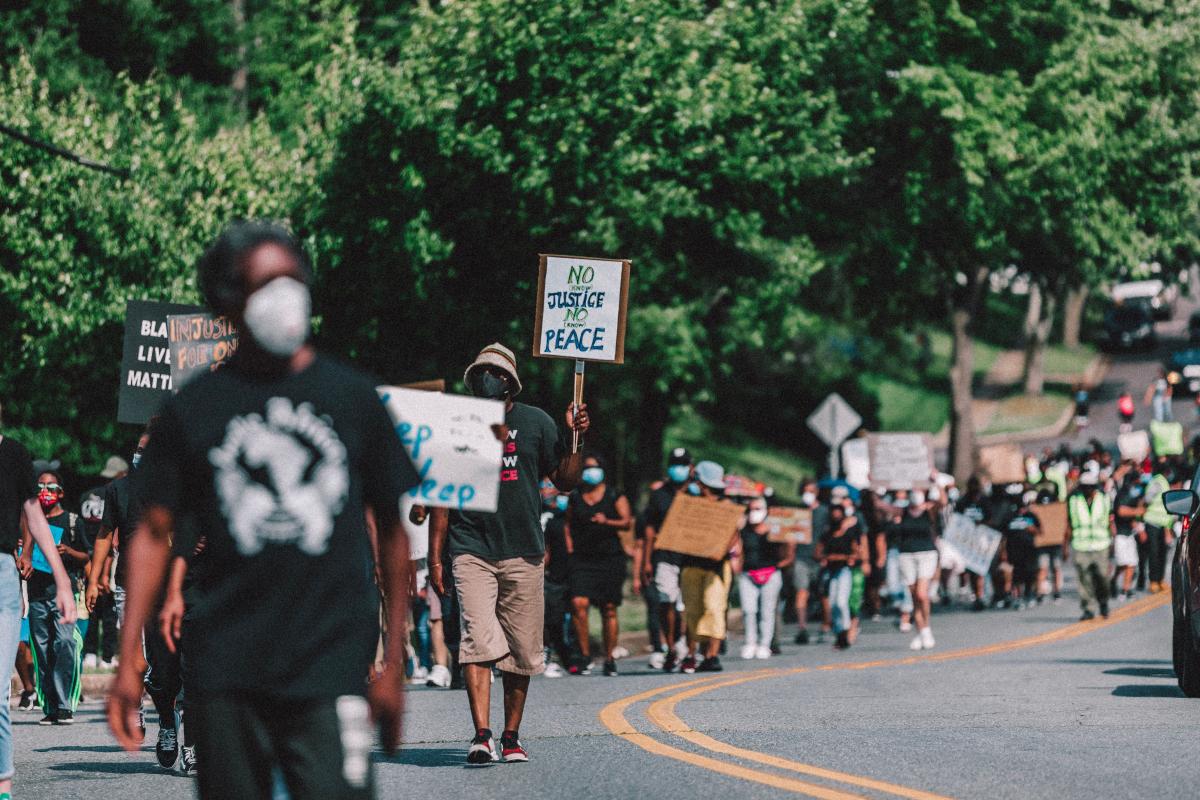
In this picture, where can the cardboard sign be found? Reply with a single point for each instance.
(146, 359)
(1002, 463)
(856, 462)
(741, 486)
(581, 308)
(698, 526)
(1052, 522)
(790, 525)
(900, 460)
(199, 343)
(451, 443)
(975, 544)
(1134, 445)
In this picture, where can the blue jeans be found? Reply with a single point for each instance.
(841, 583)
(420, 612)
(10, 630)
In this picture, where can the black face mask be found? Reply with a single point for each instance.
(489, 386)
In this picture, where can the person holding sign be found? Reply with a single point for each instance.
(1089, 538)
(57, 645)
(595, 515)
(275, 459)
(498, 558)
(916, 540)
(761, 579)
(704, 584)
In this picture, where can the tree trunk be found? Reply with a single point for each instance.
(1073, 315)
(240, 80)
(962, 373)
(1033, 311)
(1035, 348)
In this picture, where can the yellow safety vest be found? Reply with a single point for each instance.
(1090, 530)
(1156, 513)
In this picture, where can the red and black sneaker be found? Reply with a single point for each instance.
(483, 749)
(688, 666)
(511, 749)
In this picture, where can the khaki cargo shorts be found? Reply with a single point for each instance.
(502, 605)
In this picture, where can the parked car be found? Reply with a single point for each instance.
(1158, 296)
(1128, 326)
(1194, 327)
(1183, 371)
(1185, 590)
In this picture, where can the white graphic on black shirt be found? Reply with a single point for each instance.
(281, 480)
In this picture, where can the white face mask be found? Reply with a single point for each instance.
(758, 516)
(808, 498)
(918, 498)
(277, 316)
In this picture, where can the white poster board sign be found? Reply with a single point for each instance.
(581, 309)
(901, 460)
(452, 444)
(975, 544)
(1134, 445)
(856, 463)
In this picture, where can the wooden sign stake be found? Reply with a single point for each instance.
(579, 367)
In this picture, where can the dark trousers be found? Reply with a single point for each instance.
(101, 638)
(164, 675)
(1143, 567)
(555, 621)
(56, 656)
(322, 747)
(1156, 541)
(653, 620)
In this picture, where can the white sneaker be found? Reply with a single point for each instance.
(90, 661)
(620, 652)
(419, 676)
(553, 670)
(748, 651)
(906, 627)
(681, 650)
(439, 676)
(656, 660)
(916, 643)
(763, 651)
(927, 638)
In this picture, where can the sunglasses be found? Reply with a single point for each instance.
(53, 487)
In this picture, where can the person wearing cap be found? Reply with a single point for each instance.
(498, 559)
(705, 587)
(661, 568)
(1089, 537)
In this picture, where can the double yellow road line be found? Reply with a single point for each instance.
(661, 713)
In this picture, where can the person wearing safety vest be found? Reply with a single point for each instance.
(1159, 523)
(1089, 538)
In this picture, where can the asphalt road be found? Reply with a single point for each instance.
(1010, 704)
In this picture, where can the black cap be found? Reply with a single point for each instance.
(679, 455)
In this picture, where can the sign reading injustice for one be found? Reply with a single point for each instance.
(699, 526)
(452, 443)
(790, 525)
(901, 460)
(146, 359)
(199, 343)
(581, 308)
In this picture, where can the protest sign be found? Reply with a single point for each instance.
(1052, 522)
(199, 343)
(581, 308)
(699, 526)
(975, 544)
(741, 486)
(1002, 463)
(900, 460)
(146, 359)
(1166, 438)
(1134, 445)
(450, 440)
(856, 462)
(790, 525)
(438, 385)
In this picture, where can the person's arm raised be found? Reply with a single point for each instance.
(565, 476)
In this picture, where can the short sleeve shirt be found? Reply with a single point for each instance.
(532, 450)
(18, 484)
(275, 474)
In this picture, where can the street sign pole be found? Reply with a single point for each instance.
(833, 422)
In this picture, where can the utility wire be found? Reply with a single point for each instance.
(62, 153)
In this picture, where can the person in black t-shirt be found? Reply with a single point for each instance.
(19, 504)
(977, 507)
(1020, 553)
(558, 572)
(275, 459)
(661, 568)
(595, 516)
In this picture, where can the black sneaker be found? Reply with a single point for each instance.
(167, 748)
(977, 605)
(710, 665)
(687, 666)
(1104, 610)
(776, 650)
(64, 718)
(802, 636)
(1087, 616)
(457, 681)
(610, 668)
(843, 641)
(483, 749)
(26, 703)
(187, 762)
(46, 720)
(670, 663)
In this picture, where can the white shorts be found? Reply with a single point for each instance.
(1125, 551)
(950, 558)
(666, 582)
(921, 566)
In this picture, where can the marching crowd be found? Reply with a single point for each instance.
(270, 574)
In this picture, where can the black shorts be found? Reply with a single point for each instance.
(601, 579)
(321, 747)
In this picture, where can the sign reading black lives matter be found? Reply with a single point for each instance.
(581, 308)
(146, 359)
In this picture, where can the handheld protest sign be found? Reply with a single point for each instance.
(1052, 524)
(146, 359)
(451, 442)
(1003, 463)
(976, 544)
(900, 460)
(699, 526)
(581, 311)
(790, 525)
(199, 343)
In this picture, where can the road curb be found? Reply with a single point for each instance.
(1093, 376)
